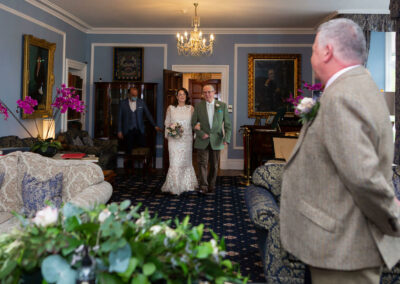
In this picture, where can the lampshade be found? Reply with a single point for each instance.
(48, 128)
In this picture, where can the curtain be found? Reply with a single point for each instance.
(371, 23)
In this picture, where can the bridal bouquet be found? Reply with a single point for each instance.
(175, 130)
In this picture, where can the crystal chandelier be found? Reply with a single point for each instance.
(195, 44)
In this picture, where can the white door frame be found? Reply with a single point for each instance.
(224, 70)
(80, 69)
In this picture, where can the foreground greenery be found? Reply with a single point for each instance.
(126, 246)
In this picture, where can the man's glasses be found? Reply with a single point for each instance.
(208, 92)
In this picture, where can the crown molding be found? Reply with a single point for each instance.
(173, 31)
(364, 11)
(61, 14)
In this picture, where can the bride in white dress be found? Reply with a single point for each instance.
(181, 176)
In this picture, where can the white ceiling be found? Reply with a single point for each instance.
(214, 13)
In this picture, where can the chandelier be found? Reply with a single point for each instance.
(194, 44)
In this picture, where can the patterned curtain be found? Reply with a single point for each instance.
(395, 15)
(371, 23)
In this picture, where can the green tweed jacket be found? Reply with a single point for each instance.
(219, 132)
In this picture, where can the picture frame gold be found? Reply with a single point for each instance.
(271, 80)
(38, 76)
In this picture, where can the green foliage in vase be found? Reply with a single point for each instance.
(44, 144)
(126, 246)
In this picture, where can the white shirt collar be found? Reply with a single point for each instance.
(212, 103)
(337, 74)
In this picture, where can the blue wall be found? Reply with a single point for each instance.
(224, 54)
(376, 58)
(12, 29)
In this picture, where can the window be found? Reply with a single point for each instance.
(390, 54)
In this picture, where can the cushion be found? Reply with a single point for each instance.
(87, 141)
(10, 193)
(269, 176)
(77, 141)
(35, 193)
(77, 175)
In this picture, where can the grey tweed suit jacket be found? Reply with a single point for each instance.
(338, 209)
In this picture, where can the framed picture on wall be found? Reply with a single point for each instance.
(38, 77)
(271, 80)
(128, 64)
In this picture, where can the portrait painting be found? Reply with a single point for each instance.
(128, 64)
(38, 78)
(272, 78)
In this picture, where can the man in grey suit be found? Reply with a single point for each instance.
(130, 121)
(339, 213)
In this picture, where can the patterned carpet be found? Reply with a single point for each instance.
(224, 212)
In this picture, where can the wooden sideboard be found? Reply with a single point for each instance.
(258, 143)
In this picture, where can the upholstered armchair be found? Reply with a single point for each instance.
(263, 200)
(75, 140)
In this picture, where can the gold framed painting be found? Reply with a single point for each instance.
(271, 80)
(38, 76)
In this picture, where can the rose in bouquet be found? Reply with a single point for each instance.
(307, 107)
(175, 130)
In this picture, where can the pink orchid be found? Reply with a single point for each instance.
(27, 104)
(3, 111)
(64, 100)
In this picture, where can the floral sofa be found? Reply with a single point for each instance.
(262, 200)
(82, 182)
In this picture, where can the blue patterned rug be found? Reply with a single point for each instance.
(224, 212)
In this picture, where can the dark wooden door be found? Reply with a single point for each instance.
(172, 82)
(196, 89)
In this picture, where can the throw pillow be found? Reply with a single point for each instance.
(2, 175)
(88, 141)
(35, 193)
(77, 141)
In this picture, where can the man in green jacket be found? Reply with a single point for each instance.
(213, 131)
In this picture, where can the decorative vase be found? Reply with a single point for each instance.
(50, 151)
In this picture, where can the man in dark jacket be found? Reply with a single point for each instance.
(130, 121)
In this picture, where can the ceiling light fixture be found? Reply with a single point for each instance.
(194, 44)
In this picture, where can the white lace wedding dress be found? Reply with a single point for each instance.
(181, 176)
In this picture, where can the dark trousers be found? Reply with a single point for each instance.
(208, 179)
(134, 139)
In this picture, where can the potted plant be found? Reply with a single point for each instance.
(125, 246)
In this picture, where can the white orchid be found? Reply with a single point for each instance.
(46, 216)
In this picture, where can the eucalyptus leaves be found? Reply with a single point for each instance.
(127, 247)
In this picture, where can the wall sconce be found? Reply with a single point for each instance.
(49, 130)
